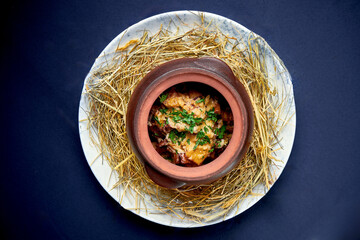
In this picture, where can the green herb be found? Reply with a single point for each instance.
(167, 121)
(191, 129)
(176, 118)
(211, 115)
(191, 120)
(188, 141)
(172, 136)
(211, 150)
(200, 100)
(209, 127)
(157, 120)
(156, 134)
(201, 139)
(187, 118)
(182, 136)
(163, 97)
(196, 144)
(163, 110)
(176, 136)
(200, 134)
(206, 129)
(220, 131)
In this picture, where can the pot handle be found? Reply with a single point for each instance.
(161, 179)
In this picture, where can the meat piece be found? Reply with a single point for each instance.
(195, 94)
(217, 108)
(219, 124)
(229, 128)
(175, 157)
(184, 161)
(212, 155)
(153, 110)
(160, 150)
(163, 142)
(156, 132)
(218, 151)
(227, 116)
(166, 128)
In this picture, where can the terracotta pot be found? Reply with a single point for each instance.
(212, 72)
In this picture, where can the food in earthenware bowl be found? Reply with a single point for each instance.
(190, 124)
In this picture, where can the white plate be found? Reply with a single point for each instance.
(279, 78)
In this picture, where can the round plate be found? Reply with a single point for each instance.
(278, 76)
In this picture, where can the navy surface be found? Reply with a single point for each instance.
(47, 190)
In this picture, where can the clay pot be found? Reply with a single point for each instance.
(212, 72)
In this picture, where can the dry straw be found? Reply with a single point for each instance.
(109, 90)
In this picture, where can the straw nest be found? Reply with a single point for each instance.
(109, 89)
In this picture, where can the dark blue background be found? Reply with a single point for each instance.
(47, 190)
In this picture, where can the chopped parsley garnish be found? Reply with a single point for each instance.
(163, 97)
(200, 134)
(167, 121)
(211, 150)
(184, 117)
(196, 144)
(191, 129)
(188, 141)
(177, 137)
(211, 115)
(201, 139)
(220, 131)
(206, 129)
(190, 119)
(182, 135)
(200, 100)
(176, 118)
(157, 120)
(172, 136)
(163, 110)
